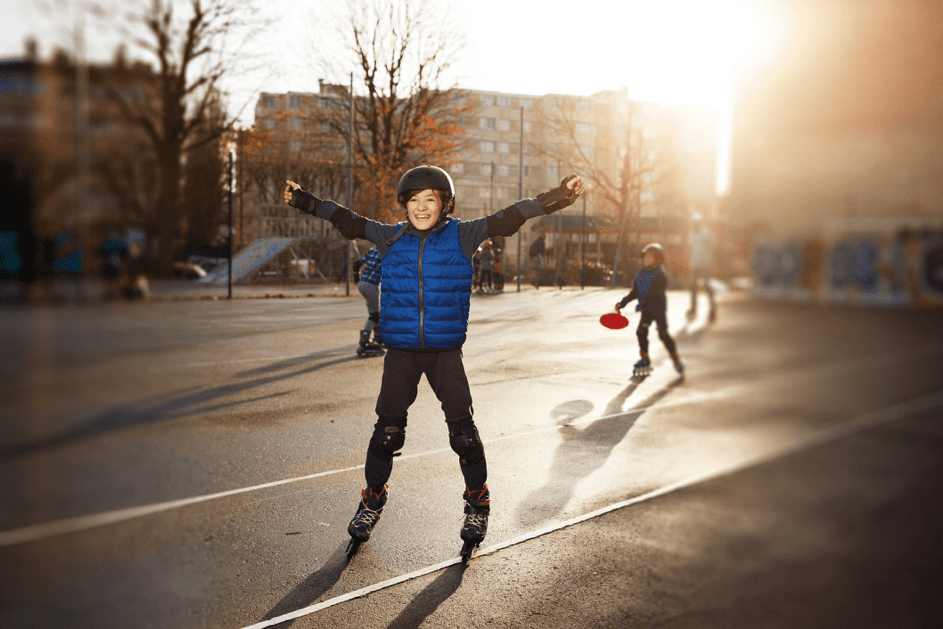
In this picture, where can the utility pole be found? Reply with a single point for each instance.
(583, 249)
(491, 192)
(559, 238)
(82, 154)
(350, 179)
(229, 269)
(520, 194)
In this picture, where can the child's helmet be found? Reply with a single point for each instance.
(423, 177)
(655, 249)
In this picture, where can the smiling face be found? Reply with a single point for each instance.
(424, 208)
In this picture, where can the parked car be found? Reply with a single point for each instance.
(187, 271)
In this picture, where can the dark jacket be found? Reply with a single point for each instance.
(649, 288)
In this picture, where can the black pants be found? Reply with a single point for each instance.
(661, 322)
(445, 372)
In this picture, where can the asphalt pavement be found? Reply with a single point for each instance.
(191, 461)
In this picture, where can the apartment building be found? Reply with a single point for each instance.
(518, 145)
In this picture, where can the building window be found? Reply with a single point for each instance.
(484, 193)
(294, 124)
(294, 101)
(504, 125)
(585, 129)
(487, 100)
(458, 168)
(504, 147)
(269, 124)
(526, 103)
(583, 105)
(486, 169)
(527, 171)
(503, 170)
(487, 147)
(295, 146)
(552, 172)
(268, 101)
(527, 126)
(586, 150)
(486, 123)
(504, 101)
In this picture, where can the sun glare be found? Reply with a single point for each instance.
(686, 51)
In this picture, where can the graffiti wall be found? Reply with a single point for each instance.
(904, 268)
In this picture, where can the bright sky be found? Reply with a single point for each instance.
(670, 51)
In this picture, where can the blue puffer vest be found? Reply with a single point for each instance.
(426, 290)
(645, 280)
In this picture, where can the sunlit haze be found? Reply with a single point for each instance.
(673, 51)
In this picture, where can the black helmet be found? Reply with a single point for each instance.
(423, 177)
(656, 249)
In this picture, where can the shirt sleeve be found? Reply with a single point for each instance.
(350, 224)
(504, 222)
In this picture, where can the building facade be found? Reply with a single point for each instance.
(517, 146)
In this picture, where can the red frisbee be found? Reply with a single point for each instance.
(614, 321)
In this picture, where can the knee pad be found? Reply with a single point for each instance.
(387, 440)
(467, 444)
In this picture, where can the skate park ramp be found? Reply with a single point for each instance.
(248, 260)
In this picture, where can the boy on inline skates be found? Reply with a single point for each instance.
(649, 289)
(368, 268)
(426, 274)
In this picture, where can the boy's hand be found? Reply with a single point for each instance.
(291, 187)
(575, 183)
(563, 196)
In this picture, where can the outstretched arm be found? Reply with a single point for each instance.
(350, 224)
(506, 222)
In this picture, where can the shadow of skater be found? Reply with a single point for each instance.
(427, 601)
(582, 451)
(157, 409)
(309, 590)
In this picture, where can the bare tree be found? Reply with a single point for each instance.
(405, 115)
(179, 109)
(622, 172)
(267, 158)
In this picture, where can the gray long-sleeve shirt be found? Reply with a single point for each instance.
(472, 233)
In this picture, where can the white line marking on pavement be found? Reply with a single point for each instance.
(74, 525)
(834, 433)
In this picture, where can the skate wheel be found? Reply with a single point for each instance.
(468, 551)
(352, 548)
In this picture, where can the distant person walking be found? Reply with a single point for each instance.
(486, 267)
(702, 261)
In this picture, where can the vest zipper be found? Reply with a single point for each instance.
(422, 307)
